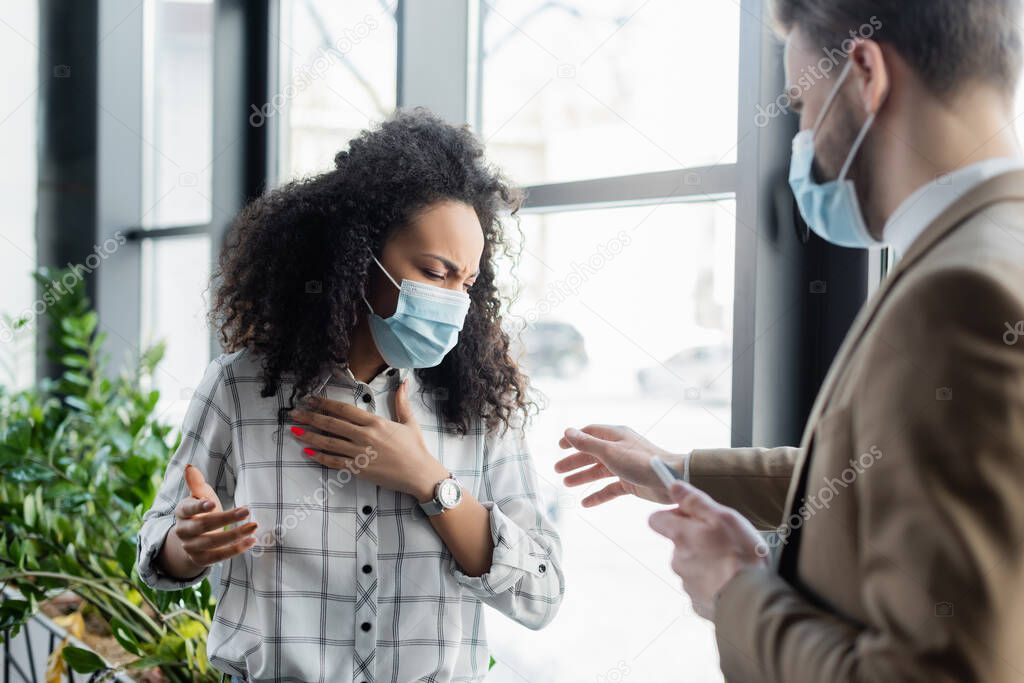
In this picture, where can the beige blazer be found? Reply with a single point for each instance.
(903, 556)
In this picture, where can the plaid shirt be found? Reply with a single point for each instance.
(349, 581)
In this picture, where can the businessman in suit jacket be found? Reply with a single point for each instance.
(899, 520)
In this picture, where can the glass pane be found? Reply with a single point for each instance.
(178, 113)
(176, 273)
(583, 90)
(19, 64)
(339, 66)
(629, 321)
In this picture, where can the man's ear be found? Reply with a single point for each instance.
(871, 72)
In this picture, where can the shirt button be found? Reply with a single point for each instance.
(367, 398)
(367, 569)
(392, 372)
(542, 568)
(365, 626)
(367, 509)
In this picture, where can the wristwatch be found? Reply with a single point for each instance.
(447, 494)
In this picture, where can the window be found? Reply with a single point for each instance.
(177, 190)
(630, 304)
(576, 90)
(628, 147)
(339, 67)
(178, 112)
(174, 309)
(629, 319)
(18, 177)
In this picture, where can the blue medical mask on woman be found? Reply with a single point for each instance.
(424, 327)
(830, 209)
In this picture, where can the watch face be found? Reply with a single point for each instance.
(449, 493)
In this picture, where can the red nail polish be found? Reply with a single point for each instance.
(308, 451)
(298, 431)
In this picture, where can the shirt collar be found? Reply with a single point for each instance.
(924, 206)
(389, 378)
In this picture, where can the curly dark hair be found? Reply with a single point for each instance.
(318, 234)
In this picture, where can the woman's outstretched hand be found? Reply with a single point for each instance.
(613, 451)
(200, 537)
(391, 453)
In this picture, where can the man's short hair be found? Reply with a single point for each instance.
(949, 43)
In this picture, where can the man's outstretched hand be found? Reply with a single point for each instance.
(613, 451)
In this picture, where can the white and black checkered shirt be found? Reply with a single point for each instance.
(349, 581)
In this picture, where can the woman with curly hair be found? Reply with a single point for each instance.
(359, 309)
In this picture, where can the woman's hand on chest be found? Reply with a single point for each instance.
(391, 453)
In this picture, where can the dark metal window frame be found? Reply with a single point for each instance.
(242, 74)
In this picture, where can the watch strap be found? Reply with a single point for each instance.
(432, 507)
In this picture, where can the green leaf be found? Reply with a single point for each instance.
(78, 379)
(13, 611)
(18, 435)
(81, 660)
(192, 629)
(68, 563)
(64, 529)
(89, 321)
(171, 646)
(30, 472)
(74, 343)
(71, 326)
(72, 360)
(149, 662)
(126, 551)
(77, 403)
(125, 637)
(29, 505)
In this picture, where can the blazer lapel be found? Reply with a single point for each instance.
(1001, 188)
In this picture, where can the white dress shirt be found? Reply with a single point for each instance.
(929, 201)
(349, 581)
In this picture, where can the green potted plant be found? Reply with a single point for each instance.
(81, 456)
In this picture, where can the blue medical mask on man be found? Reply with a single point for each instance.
(830, 209)
(424, 327)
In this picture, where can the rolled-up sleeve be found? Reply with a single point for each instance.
(206, 445)
(525, 581)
